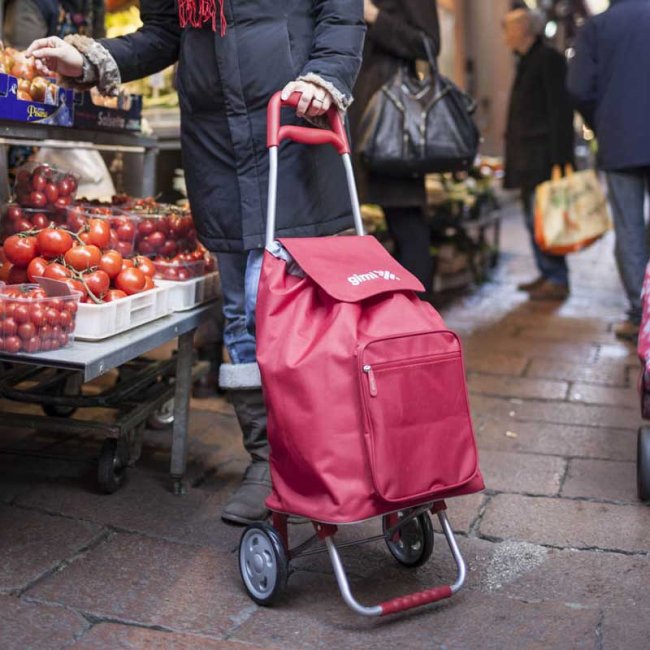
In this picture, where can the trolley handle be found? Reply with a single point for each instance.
(277, 133)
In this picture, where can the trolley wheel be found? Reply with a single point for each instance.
(263, 563)
(113, 461)
(163, 418)
(643, 464)
(71, 387)
(412, 543)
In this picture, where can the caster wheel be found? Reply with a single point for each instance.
(263, 563)
(113, 461)
(643, 464)
(411, 544)
(71, 387)
(163, 418)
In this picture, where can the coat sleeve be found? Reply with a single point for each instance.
(582, 79)
(559, 109)
(154, 47)
(401, 33)
(335, 57)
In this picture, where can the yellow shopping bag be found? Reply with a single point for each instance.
(571, 212)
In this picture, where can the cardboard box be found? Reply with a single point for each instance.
(57, 111)
(91, 111)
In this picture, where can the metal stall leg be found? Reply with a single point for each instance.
(182, 392)
(149, 172)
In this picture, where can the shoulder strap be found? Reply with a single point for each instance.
(429, 50)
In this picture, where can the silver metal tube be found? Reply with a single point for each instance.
(344, 585)
(273, 196)
(455, 551)
(354, 195)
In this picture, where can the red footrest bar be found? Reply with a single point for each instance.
(415, 600)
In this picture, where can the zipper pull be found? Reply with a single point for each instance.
(372, 384)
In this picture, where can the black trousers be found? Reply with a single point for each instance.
(410, 232)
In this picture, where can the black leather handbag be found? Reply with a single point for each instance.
(415, 126)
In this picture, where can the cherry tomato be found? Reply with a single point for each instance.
(39, 181)
(111, 263)
(37, 315)
(126, 230)
(156, 240)
(114, 294)
(36, 268)
(20, 251)
(54, 242)
(40, 220)
(37, 199)
(14, 212)
(9, 327)
(56, 271)
(51, 192)
(26, 331)
(12, 344)
(146, 227)
(65, 319)
(82, 258)
(130, 281)
(97, 283)
(21, 313)
(76, 218)
(99, 233)
(31, 345)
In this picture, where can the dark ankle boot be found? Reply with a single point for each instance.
(246, 505)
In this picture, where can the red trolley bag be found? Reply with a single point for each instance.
(365, 389)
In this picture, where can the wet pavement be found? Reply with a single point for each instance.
(557, 546)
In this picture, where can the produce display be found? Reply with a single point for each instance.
(31, 321)
(45, 188)
(83, 260)
(31, 86)
(123, 227)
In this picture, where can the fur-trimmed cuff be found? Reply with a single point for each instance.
(100, 68)
(341, 100)
(240, 376)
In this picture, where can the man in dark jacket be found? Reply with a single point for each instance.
(608, 79)
(539, 136)
(233, 56)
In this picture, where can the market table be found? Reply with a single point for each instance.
(92, 359)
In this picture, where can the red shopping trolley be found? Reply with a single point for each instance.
(368, 413)
(643, 439)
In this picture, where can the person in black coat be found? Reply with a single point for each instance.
(608, 79)
(395, 31)
(539, 136)
(232, 57)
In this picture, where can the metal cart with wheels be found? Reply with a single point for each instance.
(147, 393)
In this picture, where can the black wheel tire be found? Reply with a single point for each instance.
(111, 470)
(71, 388)
(56, 411)
(643, 464)
(414, 543)
(263, 563)
(163, 418)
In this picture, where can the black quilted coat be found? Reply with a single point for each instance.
(224, 86)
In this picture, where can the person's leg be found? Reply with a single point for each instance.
(412, 240)
(552, 268)
(627, 199)
(242, 380)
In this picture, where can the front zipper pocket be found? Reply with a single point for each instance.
(418, 426)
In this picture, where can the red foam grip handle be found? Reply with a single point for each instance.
(415, 600)
(276, 133)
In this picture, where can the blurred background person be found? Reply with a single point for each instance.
(28, 20)
(608, 78)
(539, 135)
(395, 31)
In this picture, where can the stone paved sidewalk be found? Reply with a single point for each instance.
(557, 546)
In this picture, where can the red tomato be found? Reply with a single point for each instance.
(149, 283)
(56, 271)
(65, 319)
(32, 345)
(9, 327)
(97, 283)
(131, 281)
(14, 212)
(74, 285)
(114, 294)
(156, 240)
(26, 331)
(54, 242)
(126, 230)
(36, 268)
(127, 264)
(12, 344)
(51, 192)
(99, 233)
(38, 181)
(111, 263)
(4, 271)
(146, 227)
(82, 258)
(21, 313)
(37, 199)
(145, 265)
(37, 315)
(17, 275)
(20, 251)
(40, 220)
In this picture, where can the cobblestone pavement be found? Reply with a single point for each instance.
(557, 546)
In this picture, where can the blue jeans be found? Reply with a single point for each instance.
(551, 267)
(627, 193)
(240, 276)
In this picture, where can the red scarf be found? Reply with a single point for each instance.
(196, 13)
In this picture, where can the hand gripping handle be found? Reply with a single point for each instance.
(277, 133)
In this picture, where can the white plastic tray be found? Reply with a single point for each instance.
(97, 322)
(190, 293)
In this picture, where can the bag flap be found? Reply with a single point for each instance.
(350, 269)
